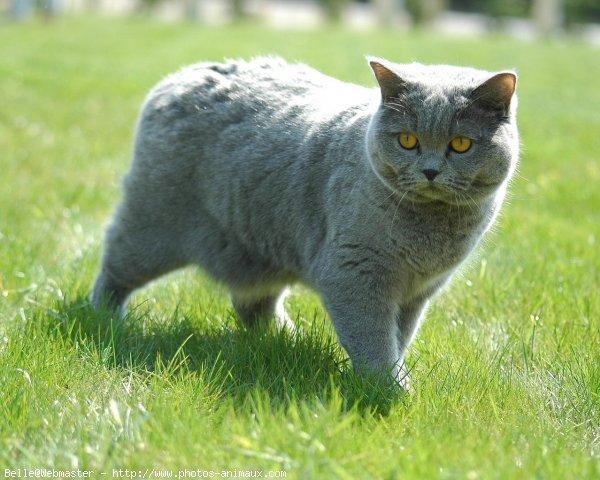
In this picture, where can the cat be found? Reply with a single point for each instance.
(266, 173)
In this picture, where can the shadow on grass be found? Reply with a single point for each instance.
(305, 365)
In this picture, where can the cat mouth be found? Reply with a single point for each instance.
(440, 193)
(458, 194)
(436, 192)
(418, 193)
(432, 191)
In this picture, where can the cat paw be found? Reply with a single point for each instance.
(284, 321)
(403, 379)
(282, 318)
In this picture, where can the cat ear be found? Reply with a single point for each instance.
(496, 93)
(391, 85)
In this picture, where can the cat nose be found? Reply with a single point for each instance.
(430, 173)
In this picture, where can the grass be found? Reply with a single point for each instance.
(506, 369)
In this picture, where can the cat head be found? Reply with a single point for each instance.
(443, 133)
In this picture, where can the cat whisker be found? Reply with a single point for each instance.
(392, 107)
(477, 206)
(457, 202)
(390, 204)
(473, 100)
(394, 217)
(462, 197)
(399, 102)
(518, 174)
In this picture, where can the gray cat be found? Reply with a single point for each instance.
(266, 173)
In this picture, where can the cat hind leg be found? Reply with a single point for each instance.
(133, 256)
(253, 310)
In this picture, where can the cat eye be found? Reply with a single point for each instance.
(408, 141)
(460, 144)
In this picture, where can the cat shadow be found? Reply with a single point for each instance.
(285, 366)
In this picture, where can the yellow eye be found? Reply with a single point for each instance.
(408, 140)
(460, 144)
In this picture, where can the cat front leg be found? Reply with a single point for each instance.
(367, 329)
(408, 318)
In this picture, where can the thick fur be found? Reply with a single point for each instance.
(266, 173)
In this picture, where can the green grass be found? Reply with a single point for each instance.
(506, 369)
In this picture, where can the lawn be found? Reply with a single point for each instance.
(506, 370)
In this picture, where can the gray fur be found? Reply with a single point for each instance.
(266, 173)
